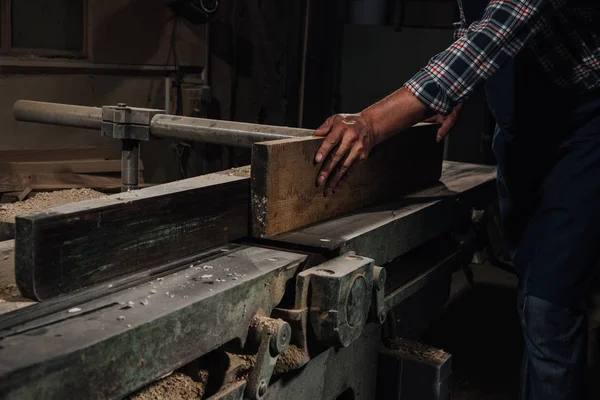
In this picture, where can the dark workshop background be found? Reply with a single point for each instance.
(273, 62)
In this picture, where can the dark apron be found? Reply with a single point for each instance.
(544, 133)
(522, 100)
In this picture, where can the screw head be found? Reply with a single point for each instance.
(262, 389)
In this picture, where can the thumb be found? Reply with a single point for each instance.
(324, 129)
(443, 131)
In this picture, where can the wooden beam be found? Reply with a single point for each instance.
(90, 166)
(284, 196)
(51, 181)
(79, 153)
(78, 245)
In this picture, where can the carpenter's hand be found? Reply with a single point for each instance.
(447, 122)
(349, 139)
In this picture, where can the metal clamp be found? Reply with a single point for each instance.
(341, 298)
(130, 125)
(123, 122)
(273, 336)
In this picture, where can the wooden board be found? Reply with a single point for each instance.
(45, 175)
(89, 166)
(51, 181)
(86, 243)
(79, 153)
(284, 196)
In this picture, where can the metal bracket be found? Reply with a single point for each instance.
(340, 298)
(131, 125)
(274, 337)
(122, 122)
(378, 307)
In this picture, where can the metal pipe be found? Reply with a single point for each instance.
(130, 156)
(226, 133)
(220, 132)
(58, 114)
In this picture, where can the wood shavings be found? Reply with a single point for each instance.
(46, 200)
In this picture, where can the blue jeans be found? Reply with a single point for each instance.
(547, 144)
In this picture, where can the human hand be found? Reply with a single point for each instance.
(447, 122)
(349, 139)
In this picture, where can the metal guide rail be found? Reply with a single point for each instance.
(299, 306)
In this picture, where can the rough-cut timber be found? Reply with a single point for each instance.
(284, 195)
(82, 244)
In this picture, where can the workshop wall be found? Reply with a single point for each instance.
(254, 71)
(377, 60)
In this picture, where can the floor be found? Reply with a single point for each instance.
(480, 329)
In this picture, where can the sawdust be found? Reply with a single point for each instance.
(9, 292)
(46, 200)
(243, 172)
(174, 387)
(248, 362)
(419, 351)
(291, 359)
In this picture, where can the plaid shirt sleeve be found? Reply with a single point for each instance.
(479, 51)
(460, 27)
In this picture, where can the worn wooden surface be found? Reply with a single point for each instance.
(79, 153)
(410, 221)
(82, 244)
(284, 195)
(90, 166)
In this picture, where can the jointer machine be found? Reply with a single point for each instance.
(146, 282)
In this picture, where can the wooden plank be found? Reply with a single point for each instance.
(79, 153)
(413, 220)
(284, 174)
(86, 243)
(49, 181)
(89, 166)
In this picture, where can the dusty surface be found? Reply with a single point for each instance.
(481, 330)
(9, 292)
(45, 200)
(243, 172)
(420, 351)
(291, 359)
(11, 299)
(176, 386)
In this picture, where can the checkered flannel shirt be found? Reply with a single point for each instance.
(563, 34)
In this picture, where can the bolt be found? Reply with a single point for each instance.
(262, 389)
(122, 105)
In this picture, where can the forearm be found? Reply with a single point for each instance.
(393, 114)
(480, 51)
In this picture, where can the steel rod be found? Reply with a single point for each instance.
(226, 133)
(58, 114)
(220, 132)
(130, 156)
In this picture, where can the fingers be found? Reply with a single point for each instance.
(334, 135)
(445, 129)
(436, 119)
(343, 170)
(340, 153)
(324, 129)
(442, 132)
